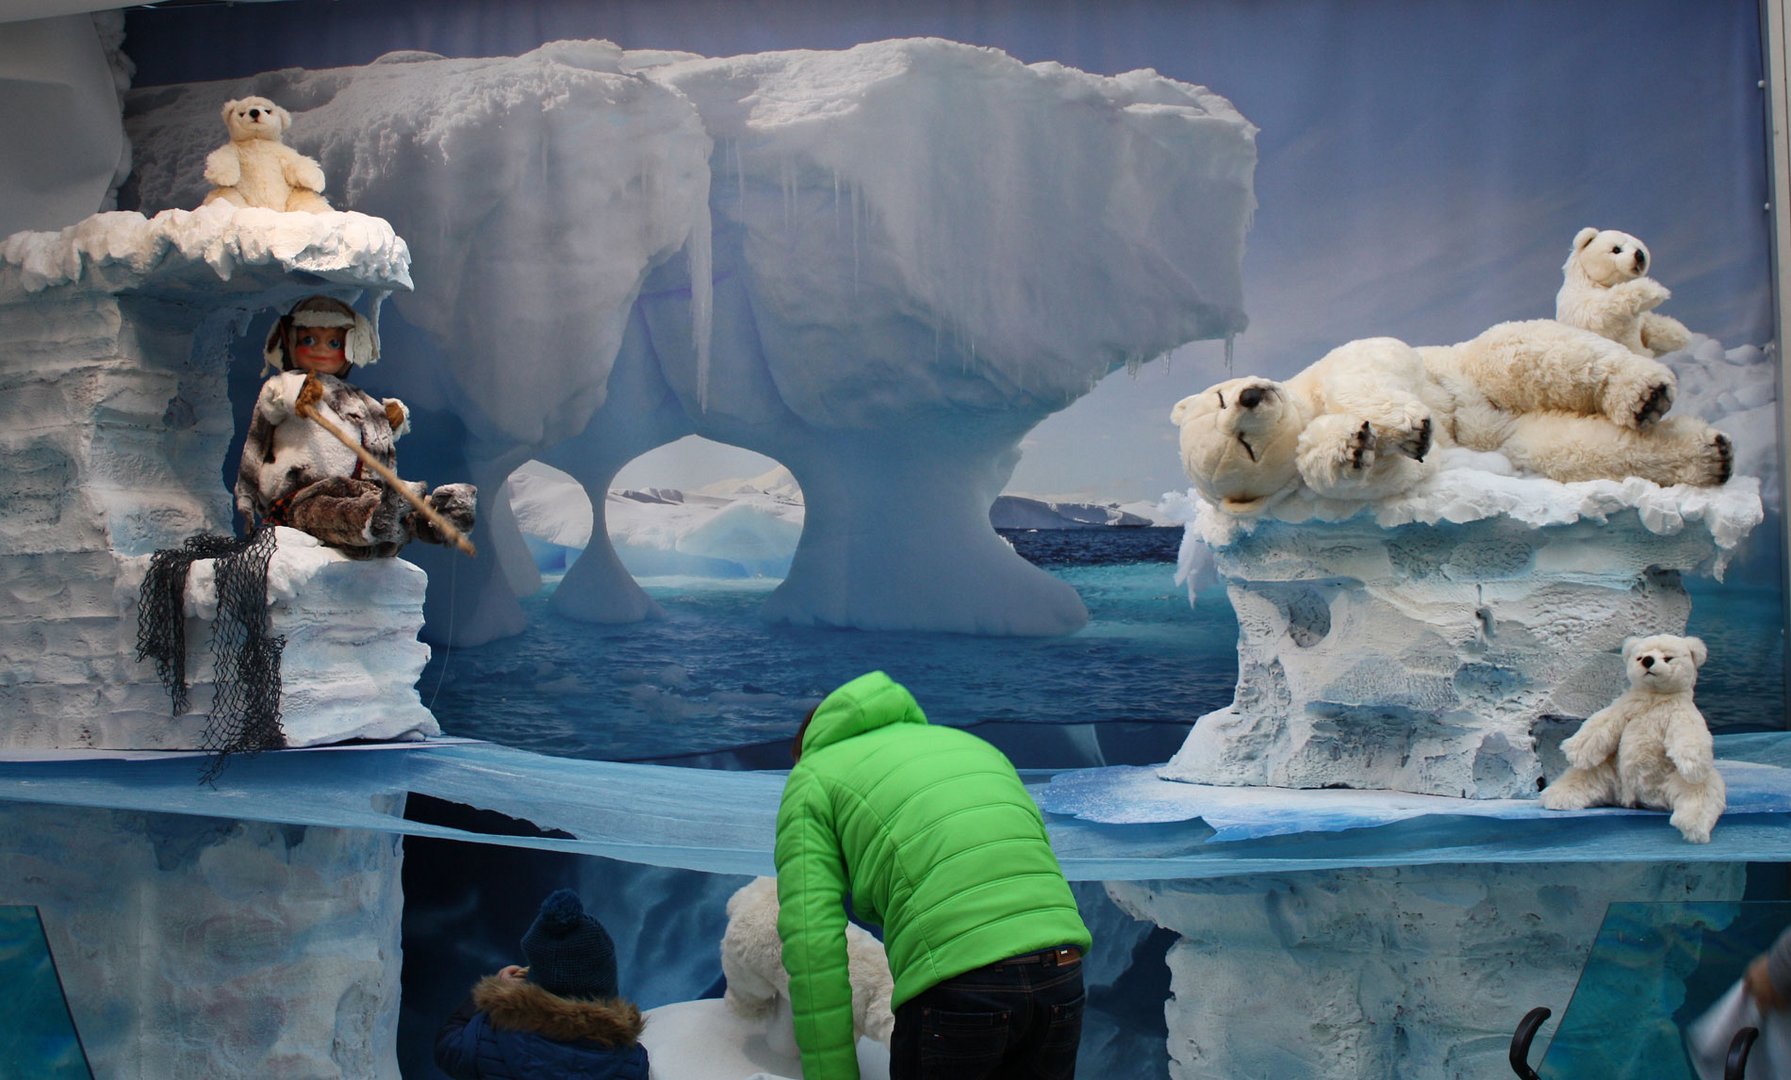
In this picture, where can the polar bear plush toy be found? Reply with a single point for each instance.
(256, 169)
(1360, 423)
(1650, 747)
(1605, 291)
(752, 960)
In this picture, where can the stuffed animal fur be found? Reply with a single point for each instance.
(1362, 422)
(1604, 291)
(1649, 748)
(255, 168)
(752, 959)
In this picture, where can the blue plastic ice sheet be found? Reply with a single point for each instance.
(1107, 824)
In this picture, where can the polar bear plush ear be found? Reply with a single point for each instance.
(1698, 652)
(229, 107)
(1583, 237)
(1629, 648)
(285, 119)
(1181, 409)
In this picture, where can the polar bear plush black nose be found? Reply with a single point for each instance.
(1647, 661)
(1641, 261)
(1250, 397)
(254, 114)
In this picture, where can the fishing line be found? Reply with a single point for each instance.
(453, 579)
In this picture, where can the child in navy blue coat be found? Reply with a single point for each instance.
(557, 1019)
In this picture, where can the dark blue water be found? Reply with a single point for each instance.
(711, 677)
(713, 685)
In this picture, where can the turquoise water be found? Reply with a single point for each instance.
(712, 684)
(1655, 968)
(37, 1036)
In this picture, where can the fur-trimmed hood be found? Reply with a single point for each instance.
(515, 1005)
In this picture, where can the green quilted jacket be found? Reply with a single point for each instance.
(930, 832)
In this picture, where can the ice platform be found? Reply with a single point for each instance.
(1111, 824)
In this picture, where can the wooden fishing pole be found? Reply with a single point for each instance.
(455, 537)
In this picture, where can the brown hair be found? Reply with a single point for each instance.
(796, 744)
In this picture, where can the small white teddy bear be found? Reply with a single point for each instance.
(752, 960)
(1649, 748)
(1605, 292)
(256, 169)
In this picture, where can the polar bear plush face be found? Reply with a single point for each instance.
(1606, 257)
(1663, 663)
(255, 118)
(1239, 440)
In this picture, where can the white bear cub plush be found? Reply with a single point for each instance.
(1604, 291)
(752, 960)
(1650, 748)
(256, 169)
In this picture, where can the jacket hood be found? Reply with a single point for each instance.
(868, 702)
(514, 1005)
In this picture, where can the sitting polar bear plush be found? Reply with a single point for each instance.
(752, 961)
(1360, 423)
(256, 169)
(1605, 292)
(1650, 747)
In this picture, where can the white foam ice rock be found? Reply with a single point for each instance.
(1737, 390)
(196, 946)
(1282, 975)
(350, 660)
(1442, 642)
(114, 426)
(707, 1040)
(880, 266)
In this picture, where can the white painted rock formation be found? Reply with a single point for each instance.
(1285, 974)
(114, 427)
(1438, 642)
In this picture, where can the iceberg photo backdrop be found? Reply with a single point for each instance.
(779, 346)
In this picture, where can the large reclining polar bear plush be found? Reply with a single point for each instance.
(1361, 423)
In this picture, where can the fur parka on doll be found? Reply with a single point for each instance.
(295, 473)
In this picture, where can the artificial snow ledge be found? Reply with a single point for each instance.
(1473, 486)
(120, 250)
(1443, 642)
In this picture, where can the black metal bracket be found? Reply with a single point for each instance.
(1521, 1039)
(1735, 1065)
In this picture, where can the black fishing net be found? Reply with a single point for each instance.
(245, 707)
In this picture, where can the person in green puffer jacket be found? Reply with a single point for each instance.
(931, 833)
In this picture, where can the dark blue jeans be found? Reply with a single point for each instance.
(1001, 1021)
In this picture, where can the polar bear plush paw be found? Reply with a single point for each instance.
(1412, 439)
(1716, 463)
(1635, 400)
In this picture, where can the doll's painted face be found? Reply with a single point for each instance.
(320, 349)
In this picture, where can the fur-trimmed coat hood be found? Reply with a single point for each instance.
(514, 1029)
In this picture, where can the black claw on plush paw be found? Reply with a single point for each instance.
(1421, 444)
(1659, 400)
(1725, 451)
(1359, 445)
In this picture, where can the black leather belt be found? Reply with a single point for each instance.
(1053, 957)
